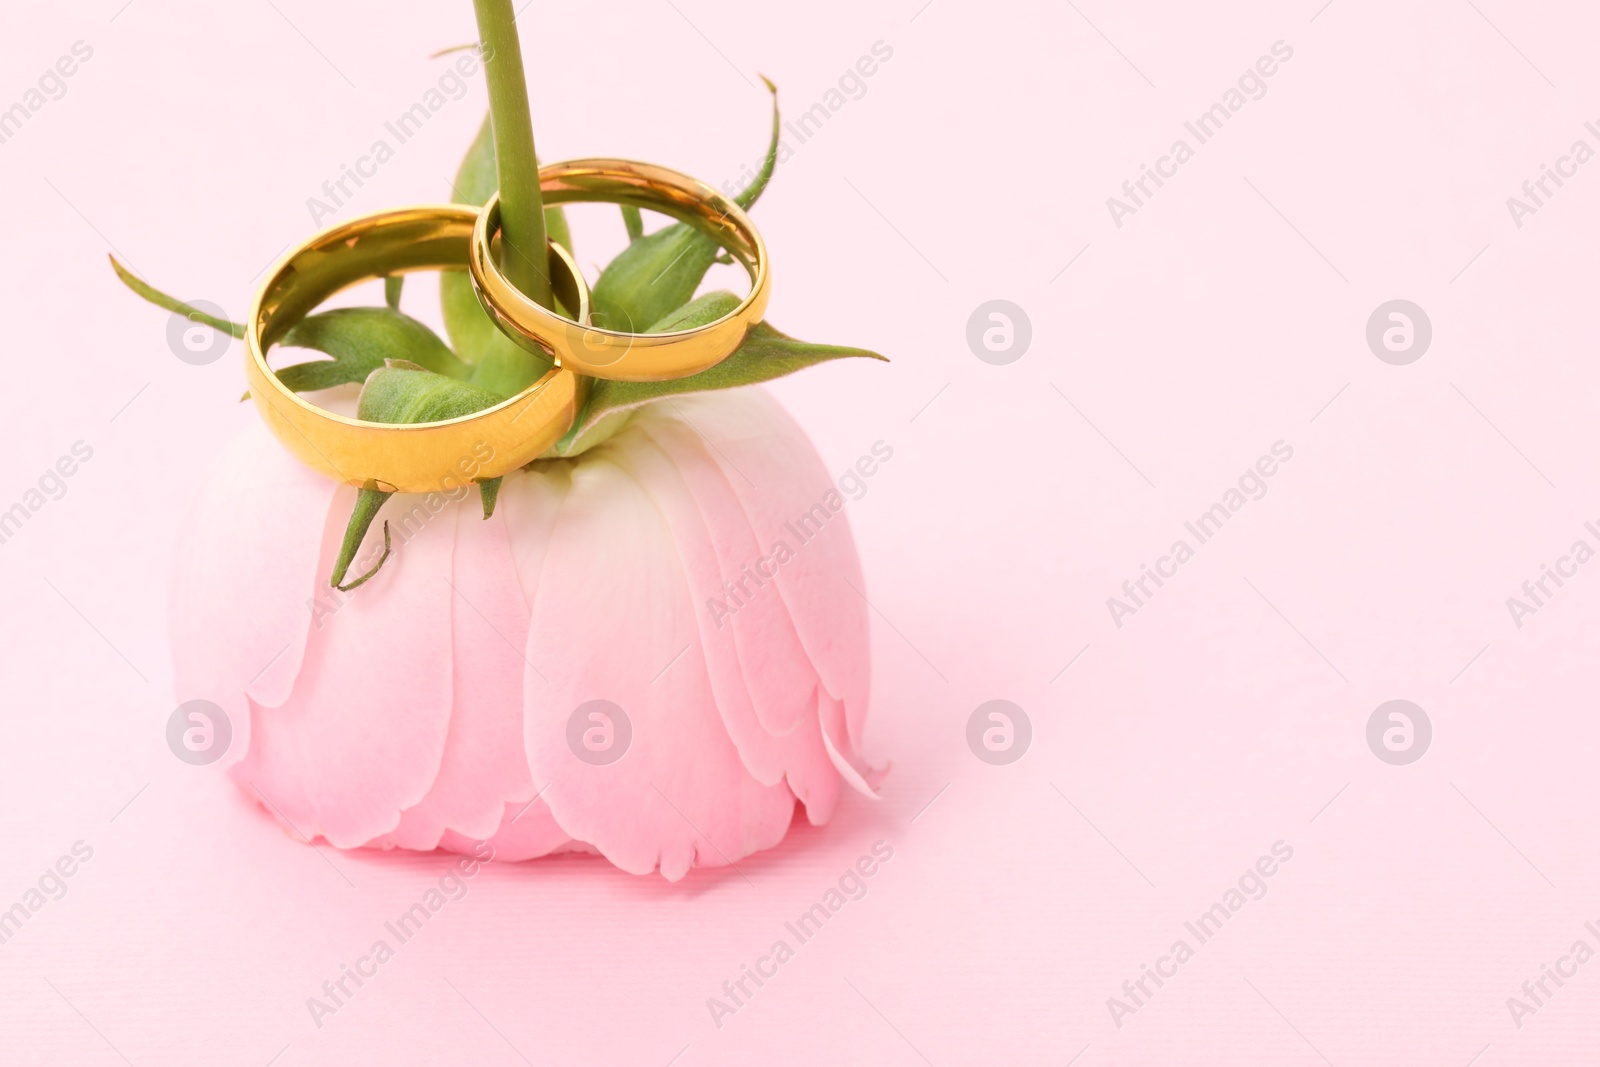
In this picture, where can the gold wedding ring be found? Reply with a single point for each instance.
(604, 353)
(408, 458)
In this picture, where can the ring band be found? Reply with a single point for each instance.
(603, 353)
(412, 457)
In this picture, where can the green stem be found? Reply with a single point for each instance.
(522, 232)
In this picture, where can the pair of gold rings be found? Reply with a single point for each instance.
(424, 457)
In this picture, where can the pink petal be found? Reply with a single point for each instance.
(775, 472)
(530, 503)
(527, 831)
(613, 620)
(362, 736)
(744, 650)
(851, 767)
(484, 767)
(777, 672)
(240, 605)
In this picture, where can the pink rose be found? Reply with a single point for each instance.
(704, 588)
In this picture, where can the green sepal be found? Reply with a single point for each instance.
(651, 277)
(313, 375)
(160, 299)
(769, 163)
(489, 492)
(369, 501)
(400, 391)
(360, 340)
(396, 393)
(764, 355)
(659, 273)
(701, 311)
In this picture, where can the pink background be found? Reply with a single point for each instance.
(1230, 713)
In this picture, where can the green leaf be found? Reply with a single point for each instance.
(160, 299)
(765, 354)
(360, 340)
(656, 274)
(471, 331)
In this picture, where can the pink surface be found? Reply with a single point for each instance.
(1168, 755)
